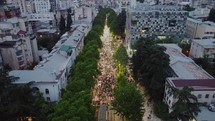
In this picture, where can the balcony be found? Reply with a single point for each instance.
(19, 53)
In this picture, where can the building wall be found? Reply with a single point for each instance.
(53, 89)
(201, 95)
(42, 6)
(197, 29)
(155, 21)
(34, 48)
(196, 51)
(9, 57)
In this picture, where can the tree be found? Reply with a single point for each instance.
(187, 105)
(121, 21)
(128, 102)
(150, 64)
(69, 19)
(62, 24)
(17, 101)
(121, 55)
(188, 8)
(211, 16)
(141, 1)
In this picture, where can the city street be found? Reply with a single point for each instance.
(102, 92)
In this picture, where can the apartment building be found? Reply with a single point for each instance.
(52, 74)
(18, 47)
(196, 28)
(155, 20)
(203, 47)
(184, 72)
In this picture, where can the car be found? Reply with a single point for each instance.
(211, 107)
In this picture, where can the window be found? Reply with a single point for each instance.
(199, 95)
(48, 98)
(213, 95)
(207, 95)
(47, 91)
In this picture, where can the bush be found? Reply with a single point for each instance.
(161, 110)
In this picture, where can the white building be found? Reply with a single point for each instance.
(203, 47)
(185, 72)
(51, 75)
(196, 28)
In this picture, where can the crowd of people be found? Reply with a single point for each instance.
(107, 80)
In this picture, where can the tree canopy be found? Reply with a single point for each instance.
(211, 16)
(17, 101)
(76, 103)
(150, 64)
(187, 106)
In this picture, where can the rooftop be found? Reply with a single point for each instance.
(183, 66)
(207, 83)
(52, 67)
(206, 43)
(168, 8)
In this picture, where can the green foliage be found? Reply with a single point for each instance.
(187, 106)
(188, 8)
(62, 24)
(17, 101)
(150, 64)
(121, 18)
(121, 55)
(204, 63)
(211, 16)
(166, 40)
(69, 19)
(76, 100)
(161, 110)
(185, 47)
(141, 1)
(128, 101)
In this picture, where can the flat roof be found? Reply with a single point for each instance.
(206, 43)
(183, 66)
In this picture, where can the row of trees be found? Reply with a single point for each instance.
(116, 23)
(150, 64)
(18, 103)
(76, 102)
(128, 101)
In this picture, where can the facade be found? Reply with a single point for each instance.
(18, 47)
(52, 74)
(155, 20)
(203, 47)
(183, 72)
(42, 6)
(84, 13)
(195, 28)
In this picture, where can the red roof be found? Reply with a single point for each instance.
(194, 82)
(21, 32)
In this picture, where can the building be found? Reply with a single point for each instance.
(155, 20)
(18, 47)
(196, 28)
(52, 74)
(84, 13)
(183, 72)
(203, 47)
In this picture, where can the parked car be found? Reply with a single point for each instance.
(211, 107)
